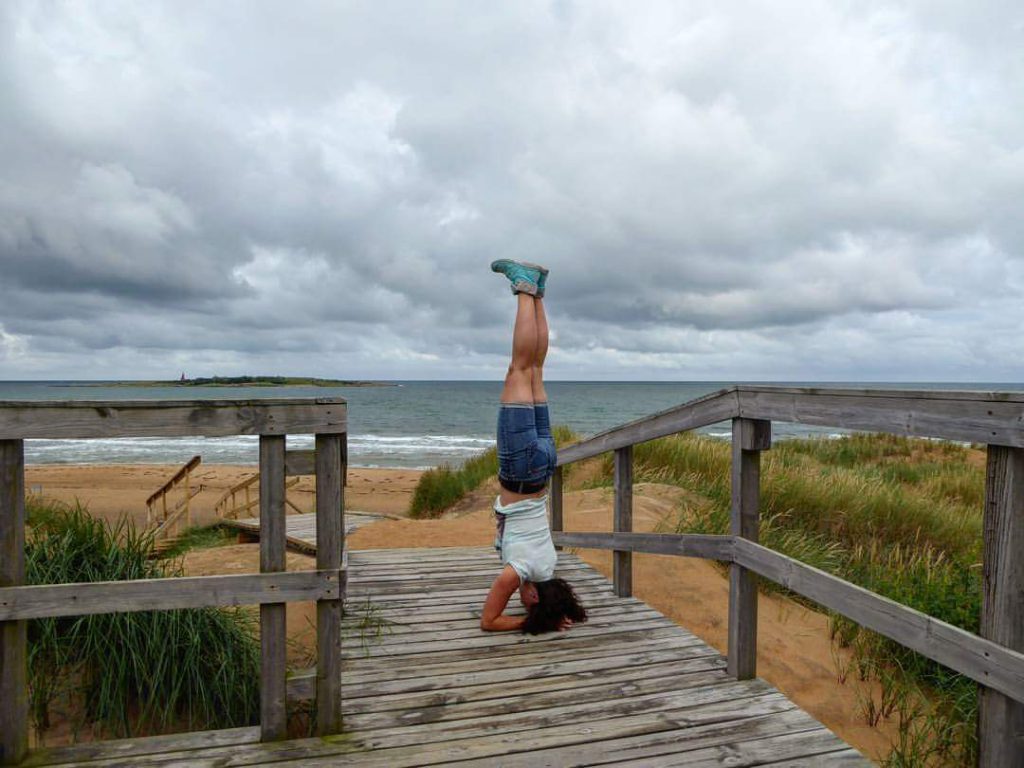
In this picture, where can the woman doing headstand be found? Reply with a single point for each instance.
(526, 459)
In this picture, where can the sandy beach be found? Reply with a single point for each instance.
(796, 653)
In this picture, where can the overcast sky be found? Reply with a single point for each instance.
(725, 191)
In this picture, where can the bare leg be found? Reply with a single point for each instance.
(537, 380)
(519, 379)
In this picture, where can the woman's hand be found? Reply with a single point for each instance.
(565, 624)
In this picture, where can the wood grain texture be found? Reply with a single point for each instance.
(749, 438)
(700, 412)
(170, 418)
(555, 501)
(710, 547)
(981, 660)
(985, 417)
(330, 540)
(622, 521)
(41, 601)
(299, 463)
(1001, 718)
(13, 634)
(273, 715)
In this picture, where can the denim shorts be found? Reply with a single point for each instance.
(526, 449)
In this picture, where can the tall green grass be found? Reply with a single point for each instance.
(199, 537)
(129, 673)
(441, 487)
(898, 516)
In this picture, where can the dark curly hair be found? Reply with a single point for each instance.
(557, 601)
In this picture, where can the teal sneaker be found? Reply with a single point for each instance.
(525, 278)
(543, 277)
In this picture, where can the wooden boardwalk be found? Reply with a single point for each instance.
(300, 530)
(628, 688)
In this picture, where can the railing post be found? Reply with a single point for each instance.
(13, 634)
(622, 565)
(330, 544)
(749, 438)
(273, 715)
(188, 501)
(555, 493)
(1000, 718)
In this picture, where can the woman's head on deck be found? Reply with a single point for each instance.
(549, 604)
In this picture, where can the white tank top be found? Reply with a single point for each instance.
(524, 539)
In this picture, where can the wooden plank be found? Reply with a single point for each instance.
(456, 702)
(504, 745)
(981, 660)
(423, 634)
(749, 438)
(140, 747)
(441, 653)
(13, 634)
(622, 559)
(455, 681)
(555, 502)
(648, 747)
(273, 715)
(424, 744)
(701, 412)
(866, 393)
(80, 419)
(330, 536)
(812, 745)
(539, 695)
(989, 417)
(709, 547)
(404, 620)
(499, 745)
(299, 463)
(1001, 718)
(588, 630)
(396, 674)
(41, 601)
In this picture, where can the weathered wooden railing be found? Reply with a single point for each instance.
(271, 589)
(227, 505)
(163, 520)
(296, 464)
(994, 660)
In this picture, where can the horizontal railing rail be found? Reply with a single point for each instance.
(974, 417)
(271, 589)
(82, 599)
(981, 660)
(994, 659)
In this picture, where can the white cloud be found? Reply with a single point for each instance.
(765, 190)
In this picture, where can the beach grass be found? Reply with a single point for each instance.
(128, 674)
(199, 537)
(898, 516)
(441, 487)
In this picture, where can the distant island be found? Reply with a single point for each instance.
(251, 381)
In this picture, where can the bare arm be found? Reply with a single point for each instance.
(493, 619)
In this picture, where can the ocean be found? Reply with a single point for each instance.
(416, 424)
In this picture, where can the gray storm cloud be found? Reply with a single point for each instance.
(749, 190)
